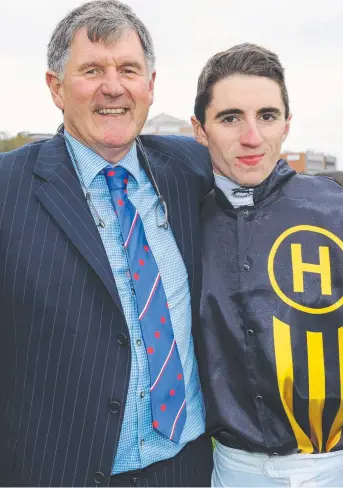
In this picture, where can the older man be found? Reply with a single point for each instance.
(271, 335)
(99, 266)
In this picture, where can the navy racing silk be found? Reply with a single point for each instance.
(270, 341)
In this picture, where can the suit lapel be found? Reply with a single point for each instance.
(62, 196)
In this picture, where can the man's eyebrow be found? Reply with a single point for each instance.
(97, 64)
(229, 111)
(131, 63)
(269, 110)
(237, 111)
(90, 64)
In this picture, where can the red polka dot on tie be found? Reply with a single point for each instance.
(146, 248)
(172, 392)
(125, 191)
(141, 262)
(157, 334)
(126, 181)
(167, 304)
(111, 173)
(163, 320)
(120, 202)
(179, 376)
(155, 424)
(150, 350)
(163, 407)
(136, 276)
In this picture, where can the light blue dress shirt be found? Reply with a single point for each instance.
(139, 444)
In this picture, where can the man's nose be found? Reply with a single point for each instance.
(111, 85)
(250, 135)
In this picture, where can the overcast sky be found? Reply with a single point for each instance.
(307, 36)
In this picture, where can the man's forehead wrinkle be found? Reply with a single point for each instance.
(100, 60)
(106, 60)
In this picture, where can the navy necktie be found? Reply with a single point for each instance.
(167, 388)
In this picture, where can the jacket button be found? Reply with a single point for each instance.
(122, 339)
(250, 332)
(114, 406)
(246, 267)
(245, 212)
(99, 478)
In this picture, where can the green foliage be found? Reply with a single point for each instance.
(9, 143)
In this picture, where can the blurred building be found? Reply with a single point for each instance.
(36, 136)
(310, 162)
(164, 124)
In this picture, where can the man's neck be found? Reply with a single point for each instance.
(110, 154)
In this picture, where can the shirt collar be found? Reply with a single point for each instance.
(281, 174)
(235, 193)
(89, 163)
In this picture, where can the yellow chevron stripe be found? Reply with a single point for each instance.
(336, 429)
(284, 369)
(316, 380)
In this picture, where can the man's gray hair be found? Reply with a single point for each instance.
(105, 21)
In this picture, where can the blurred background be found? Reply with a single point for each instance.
(307, 36)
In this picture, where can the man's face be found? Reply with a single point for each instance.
(244, 128)
(105, 93)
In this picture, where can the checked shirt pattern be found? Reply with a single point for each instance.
(167, 389)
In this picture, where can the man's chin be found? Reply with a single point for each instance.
(115, 141)
(251, 181)
(254, 177)
(113, 149)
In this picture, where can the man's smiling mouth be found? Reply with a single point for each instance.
(111, 111)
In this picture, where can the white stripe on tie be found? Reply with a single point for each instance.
(176, 419)
(150, 297)
(164, 365)
(132, 226)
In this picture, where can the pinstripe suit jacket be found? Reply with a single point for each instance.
(64, 353)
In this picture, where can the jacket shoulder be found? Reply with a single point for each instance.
(187, 150)
(318, 184)
(11, 160)
(187, 155)
(15, 166)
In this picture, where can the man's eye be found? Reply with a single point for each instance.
(268, 117)
(92, 71)
(230, 119)
(128, 71)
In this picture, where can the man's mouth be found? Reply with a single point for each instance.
(251, 160)
(112, 111)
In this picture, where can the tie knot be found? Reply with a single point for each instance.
(117, 177)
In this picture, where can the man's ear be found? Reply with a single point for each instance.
(55, 87)
(287, 127)
(199, 132)
(152, 86)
